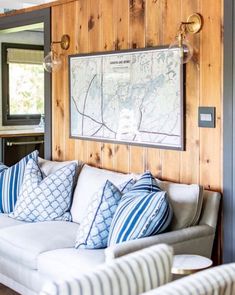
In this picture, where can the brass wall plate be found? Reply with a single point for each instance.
(65, 42)
(194, 23)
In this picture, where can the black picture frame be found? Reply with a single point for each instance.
(181, 78)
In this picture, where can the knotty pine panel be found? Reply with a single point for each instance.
(99, 25)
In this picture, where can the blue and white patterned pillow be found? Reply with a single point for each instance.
(11, 179)
(143, 211)
(94, 230)
(45, 199)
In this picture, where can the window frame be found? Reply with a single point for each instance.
(7, 119)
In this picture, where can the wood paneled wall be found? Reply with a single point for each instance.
(99, 25)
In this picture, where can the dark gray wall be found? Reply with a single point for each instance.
(229, 133)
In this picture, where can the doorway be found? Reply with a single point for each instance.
(36, 24)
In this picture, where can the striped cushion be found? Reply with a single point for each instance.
(10, 182)
(218, 280)
(142, 212)
(131, 274)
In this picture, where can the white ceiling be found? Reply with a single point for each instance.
(18, 4)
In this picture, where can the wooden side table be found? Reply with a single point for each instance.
(188, 264)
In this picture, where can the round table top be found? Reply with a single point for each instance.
(188, 264)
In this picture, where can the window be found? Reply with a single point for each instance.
(22, 84)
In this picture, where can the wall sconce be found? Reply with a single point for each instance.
(52, 62)
(192, 26)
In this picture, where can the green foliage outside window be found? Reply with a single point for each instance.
(26, 89)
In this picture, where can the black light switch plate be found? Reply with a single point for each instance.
(206, 117)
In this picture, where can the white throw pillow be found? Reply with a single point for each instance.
(89, 182)
(186, 201)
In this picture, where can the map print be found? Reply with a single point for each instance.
(130, 97)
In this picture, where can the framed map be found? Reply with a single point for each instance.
(133, 97)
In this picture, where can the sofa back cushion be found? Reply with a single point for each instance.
(186, 201)
(48, 167)
(90, 180)
(131, 274)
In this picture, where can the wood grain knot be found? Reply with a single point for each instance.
(97, 158)
(58, 151)
(116, 149)
(117, 44)
(134, 45)
(91, 23)
(110, 152)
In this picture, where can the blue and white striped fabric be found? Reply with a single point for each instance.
(11, 179)
(131, 274)
(218, 280)
(142, 212)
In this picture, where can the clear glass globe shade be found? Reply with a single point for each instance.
(186, 50)
(52, 62)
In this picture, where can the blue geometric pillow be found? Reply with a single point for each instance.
(142, 212)
(94, 230)
(11, 179)
(45, 199)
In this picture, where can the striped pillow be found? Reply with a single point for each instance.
(131, 274)
(218, 280)
(10, 182)
(142, 212)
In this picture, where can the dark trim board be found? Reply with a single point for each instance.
(229, 133)
(34, 17)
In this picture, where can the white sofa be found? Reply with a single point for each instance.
(32, 254)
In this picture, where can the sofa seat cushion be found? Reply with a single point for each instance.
(6, 221)
(68, 263)
(23, 243)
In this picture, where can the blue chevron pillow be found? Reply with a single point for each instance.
(94, 229)
(143, 211)
(11, 179)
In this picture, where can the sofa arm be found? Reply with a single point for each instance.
(192, 240)
(215, 280)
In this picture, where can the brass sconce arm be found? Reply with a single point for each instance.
(193, 25)
(64, 42)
